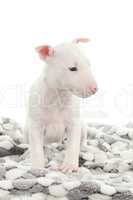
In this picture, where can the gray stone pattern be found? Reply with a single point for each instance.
(105, 173)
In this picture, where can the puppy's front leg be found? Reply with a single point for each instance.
(84, 136)
(36, 131)
(71, 162)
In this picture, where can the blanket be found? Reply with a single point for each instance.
(105, 173)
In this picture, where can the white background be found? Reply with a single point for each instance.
(26, 24)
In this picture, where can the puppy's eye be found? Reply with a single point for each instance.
(73, 69)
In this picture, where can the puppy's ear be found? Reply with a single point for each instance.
(45, 51)
(83, 40)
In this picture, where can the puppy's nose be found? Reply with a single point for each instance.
(93, 88)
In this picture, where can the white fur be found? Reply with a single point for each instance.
(53, 108)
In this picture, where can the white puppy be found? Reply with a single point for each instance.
(54, 106)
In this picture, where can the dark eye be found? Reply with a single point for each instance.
(73, 69)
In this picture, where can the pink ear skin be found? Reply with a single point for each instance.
(45, 51)
(83, 40)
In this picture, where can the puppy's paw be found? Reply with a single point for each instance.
(68, 168)
(38, 165)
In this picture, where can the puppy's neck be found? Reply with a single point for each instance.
(55, 94)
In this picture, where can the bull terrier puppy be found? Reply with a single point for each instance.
(54, 103)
